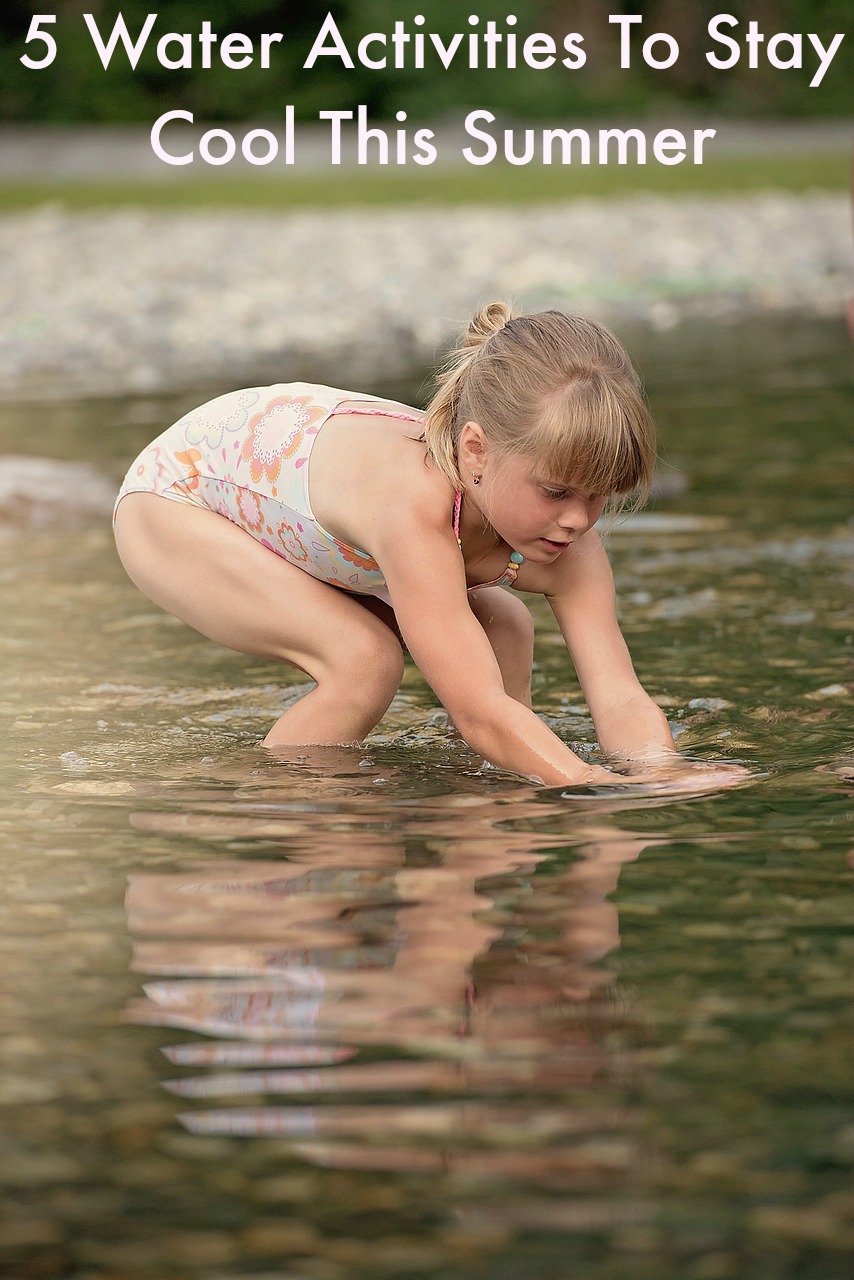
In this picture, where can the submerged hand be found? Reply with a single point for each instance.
(672, 774)
(678, 774)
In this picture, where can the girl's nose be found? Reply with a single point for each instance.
(581, 514)
(576, 516)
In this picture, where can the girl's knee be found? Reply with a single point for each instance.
(509, 628)
(505, 618)
(520, 622)
(367, 667)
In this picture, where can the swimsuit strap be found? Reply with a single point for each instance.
(509, 574)
(458, 502)
(381, 413)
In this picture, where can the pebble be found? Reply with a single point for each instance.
(287, 1188)
(844, 1142)
(829, 691)
(714, 1266)
(144, 1171)
(95, 788)
(33, 1168)
(398, 1254)
(71, 760)
(817, 1225)
(199, 1249)
(687, 606)
(303, 1269)
(15, 1091)
(131, 1258)
(268, 1239)
(28, 1232)
(141, 300)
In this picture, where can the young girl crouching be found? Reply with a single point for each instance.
(318, 526)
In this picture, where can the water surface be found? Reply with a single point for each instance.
(384, 1013)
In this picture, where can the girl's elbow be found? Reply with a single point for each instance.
(479, 721)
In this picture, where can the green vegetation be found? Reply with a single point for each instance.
(77, 88)
(461, 185)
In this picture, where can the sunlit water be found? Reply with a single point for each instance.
(385, 1014)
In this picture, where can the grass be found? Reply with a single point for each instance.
(465, 184)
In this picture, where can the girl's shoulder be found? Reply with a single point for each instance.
(370, 464)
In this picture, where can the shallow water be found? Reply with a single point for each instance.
(384, 1013)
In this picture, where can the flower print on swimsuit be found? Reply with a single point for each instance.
(249, 509)
(208, 425)
(189, 458)
(356, 558)
(150, 469)
(291, 541)
(277, 433)
(221, 494)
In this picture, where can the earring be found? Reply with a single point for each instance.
(475, 479)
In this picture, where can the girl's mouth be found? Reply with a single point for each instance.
(554, 546)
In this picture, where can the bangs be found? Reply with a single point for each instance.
(596, 436)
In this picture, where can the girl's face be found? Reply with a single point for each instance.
(537, 515)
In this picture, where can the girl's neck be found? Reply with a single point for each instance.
(477, 537)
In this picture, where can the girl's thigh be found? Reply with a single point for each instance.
(214, 576)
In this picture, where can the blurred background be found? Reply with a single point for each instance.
(239, 272)
(78, 89)
(431, 1022)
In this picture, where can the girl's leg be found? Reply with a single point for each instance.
(213, 575)
(510, 630)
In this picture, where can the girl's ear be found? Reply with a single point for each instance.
(473, 445)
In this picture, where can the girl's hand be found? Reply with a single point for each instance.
(671, 774)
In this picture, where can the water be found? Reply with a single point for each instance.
(384, 1014)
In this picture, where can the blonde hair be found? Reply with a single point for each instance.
(556, 388)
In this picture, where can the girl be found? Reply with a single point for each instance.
(352, 526)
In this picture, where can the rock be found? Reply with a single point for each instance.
(831, 691)
(39, 493)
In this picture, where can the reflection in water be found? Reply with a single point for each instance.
(453, 958)
(718, 1101)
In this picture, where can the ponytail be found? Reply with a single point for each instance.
(446, 413)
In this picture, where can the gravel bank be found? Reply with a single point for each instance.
(137, 300)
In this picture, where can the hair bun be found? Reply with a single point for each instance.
(487, 321)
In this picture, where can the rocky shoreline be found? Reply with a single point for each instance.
(135, 300)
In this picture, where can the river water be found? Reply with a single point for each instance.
(383, 1013)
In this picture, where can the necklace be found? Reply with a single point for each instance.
(516, 557)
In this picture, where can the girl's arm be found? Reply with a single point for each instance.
(426, 580)
(627, 722)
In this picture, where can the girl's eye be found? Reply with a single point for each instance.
(556, 495)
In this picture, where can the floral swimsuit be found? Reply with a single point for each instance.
(245, 455)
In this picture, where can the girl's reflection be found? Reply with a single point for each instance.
(453, 953)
